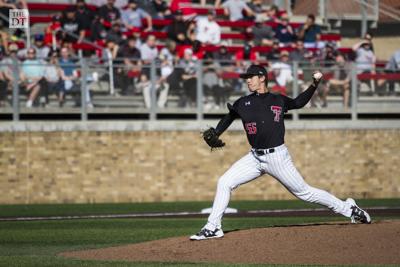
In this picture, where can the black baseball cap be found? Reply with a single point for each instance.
(254, 70)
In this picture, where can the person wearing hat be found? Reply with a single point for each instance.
(262, 115)
(42, 50)
(108, 13)
(283, 73)
(284, 32)
(207, 30)
(133, 15)
(83, 14)
(72, 30)
(177, 30)
(262, 33)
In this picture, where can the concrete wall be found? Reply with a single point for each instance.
(132, 166)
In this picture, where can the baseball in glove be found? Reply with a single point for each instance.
(212, 139)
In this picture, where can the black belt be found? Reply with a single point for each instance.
(261, 152)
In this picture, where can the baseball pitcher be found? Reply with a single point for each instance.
(262, 115)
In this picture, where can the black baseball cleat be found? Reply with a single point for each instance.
(207, 234)
(358, 214)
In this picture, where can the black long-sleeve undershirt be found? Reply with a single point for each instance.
(225, 122)
(300, 101)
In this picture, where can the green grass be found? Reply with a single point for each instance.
(126, 208)
(37, 243)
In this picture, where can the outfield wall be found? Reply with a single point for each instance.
(141, 161)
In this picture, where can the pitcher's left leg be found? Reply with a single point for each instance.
(280, 166)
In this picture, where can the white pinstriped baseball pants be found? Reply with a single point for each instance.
(279, 165)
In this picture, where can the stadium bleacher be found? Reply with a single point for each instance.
(41, 13)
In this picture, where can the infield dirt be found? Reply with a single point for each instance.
(332, 243)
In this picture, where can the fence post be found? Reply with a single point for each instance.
(295, 88)
(84, 72)
(153, 94)
(354, 92)
(364, 18)
(15, 101)
(199, 90)
(322, 11)
(110, 70)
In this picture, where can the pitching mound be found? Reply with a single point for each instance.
(377, 243)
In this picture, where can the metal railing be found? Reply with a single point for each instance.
(211, 85)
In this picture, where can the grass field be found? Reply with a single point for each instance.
(37, 243)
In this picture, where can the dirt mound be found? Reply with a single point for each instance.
(339, 243)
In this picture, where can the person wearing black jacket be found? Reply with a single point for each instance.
(262, 115)
(177, 30)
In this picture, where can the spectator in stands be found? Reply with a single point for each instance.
(169, 52)
(368, 37)
(211, 84)
(97, 30)
(244, 56)
(32, 76)
(69, 76)
(189, 78)
(191, 33)
(207, 30)
(310, 32)
(284, 32)
(393, 66)
(148, 53)
(273, 13)
(7, 63)
(130, 56)
(157, 9)
(256, 6)
(340, 81)
(133, 15)
(274, 53)
(42, 51)
(83, 14)
(162, 86)
(365, 61)
(282, 73)
(108, 13)
(237, 10)
(328, 55)
(222, 57)
(300, 53)
(168, 59)
(115, 33)
(54, 83)
(262, 34)
(177, 30)
(162, 9)
(72, 31)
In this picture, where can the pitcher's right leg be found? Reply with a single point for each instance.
(243, 171)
